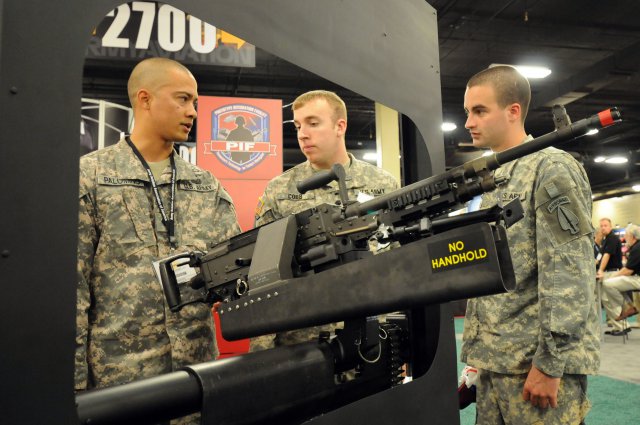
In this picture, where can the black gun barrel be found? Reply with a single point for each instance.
(282, 385)
(147, 401)
(570, 132)
(490, 163)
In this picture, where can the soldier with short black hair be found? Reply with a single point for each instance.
(320, 118)
(140, 202)
(533, 347)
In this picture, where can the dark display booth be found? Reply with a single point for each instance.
(388, 52)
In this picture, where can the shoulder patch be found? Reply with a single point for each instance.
(564, 214)
(259, 207)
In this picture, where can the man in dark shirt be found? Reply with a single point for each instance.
(611, 250)
(625, 279)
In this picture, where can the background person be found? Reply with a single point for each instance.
(615, 284)
(611, 249)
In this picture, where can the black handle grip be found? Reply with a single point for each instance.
(316, 181)
(169, 282)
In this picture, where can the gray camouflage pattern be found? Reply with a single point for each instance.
(125, 331)
(281, 198)
(510, 408)
(551, 317)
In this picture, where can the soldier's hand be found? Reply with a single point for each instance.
(540, 389)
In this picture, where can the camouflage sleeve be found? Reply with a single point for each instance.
(87, 242)
(565, 271)
(225, 215)
(266, 210)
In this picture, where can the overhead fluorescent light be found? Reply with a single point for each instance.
(448, 126)
(616, 160)
(636, 187)
(599, 159)
(592, 132)
(528, 71)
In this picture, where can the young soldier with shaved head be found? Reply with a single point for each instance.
(533, 347)
(320, 118)
(139, 202)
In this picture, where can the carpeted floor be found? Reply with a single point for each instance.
(614, 394)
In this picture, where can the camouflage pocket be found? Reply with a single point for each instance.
(126, 223)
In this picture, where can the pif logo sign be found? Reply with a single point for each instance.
(240, 136)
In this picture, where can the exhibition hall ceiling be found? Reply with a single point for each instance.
(592, 49)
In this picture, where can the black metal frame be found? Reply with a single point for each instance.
(387, 51)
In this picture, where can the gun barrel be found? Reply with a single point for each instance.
(570, 132)
(147, 401)
(284, 385)
(490, 163)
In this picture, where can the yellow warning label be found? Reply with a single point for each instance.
(458, 255)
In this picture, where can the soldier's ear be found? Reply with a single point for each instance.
(341, 126)
(143, 98)
(515, 111)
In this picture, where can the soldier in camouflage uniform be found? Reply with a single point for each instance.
(533, 347)
(125, 331)
(321, 120)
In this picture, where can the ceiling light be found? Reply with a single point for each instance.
(592, 132)
(599, 159)
(370, 156)
(616, 160)
(636, 187)
(448, 126)
(528, 71)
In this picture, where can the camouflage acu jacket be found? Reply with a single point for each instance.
(551, 318)
(125, 331)
(281, 198)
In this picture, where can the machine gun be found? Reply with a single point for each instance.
(266, 277)
(314, 268)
